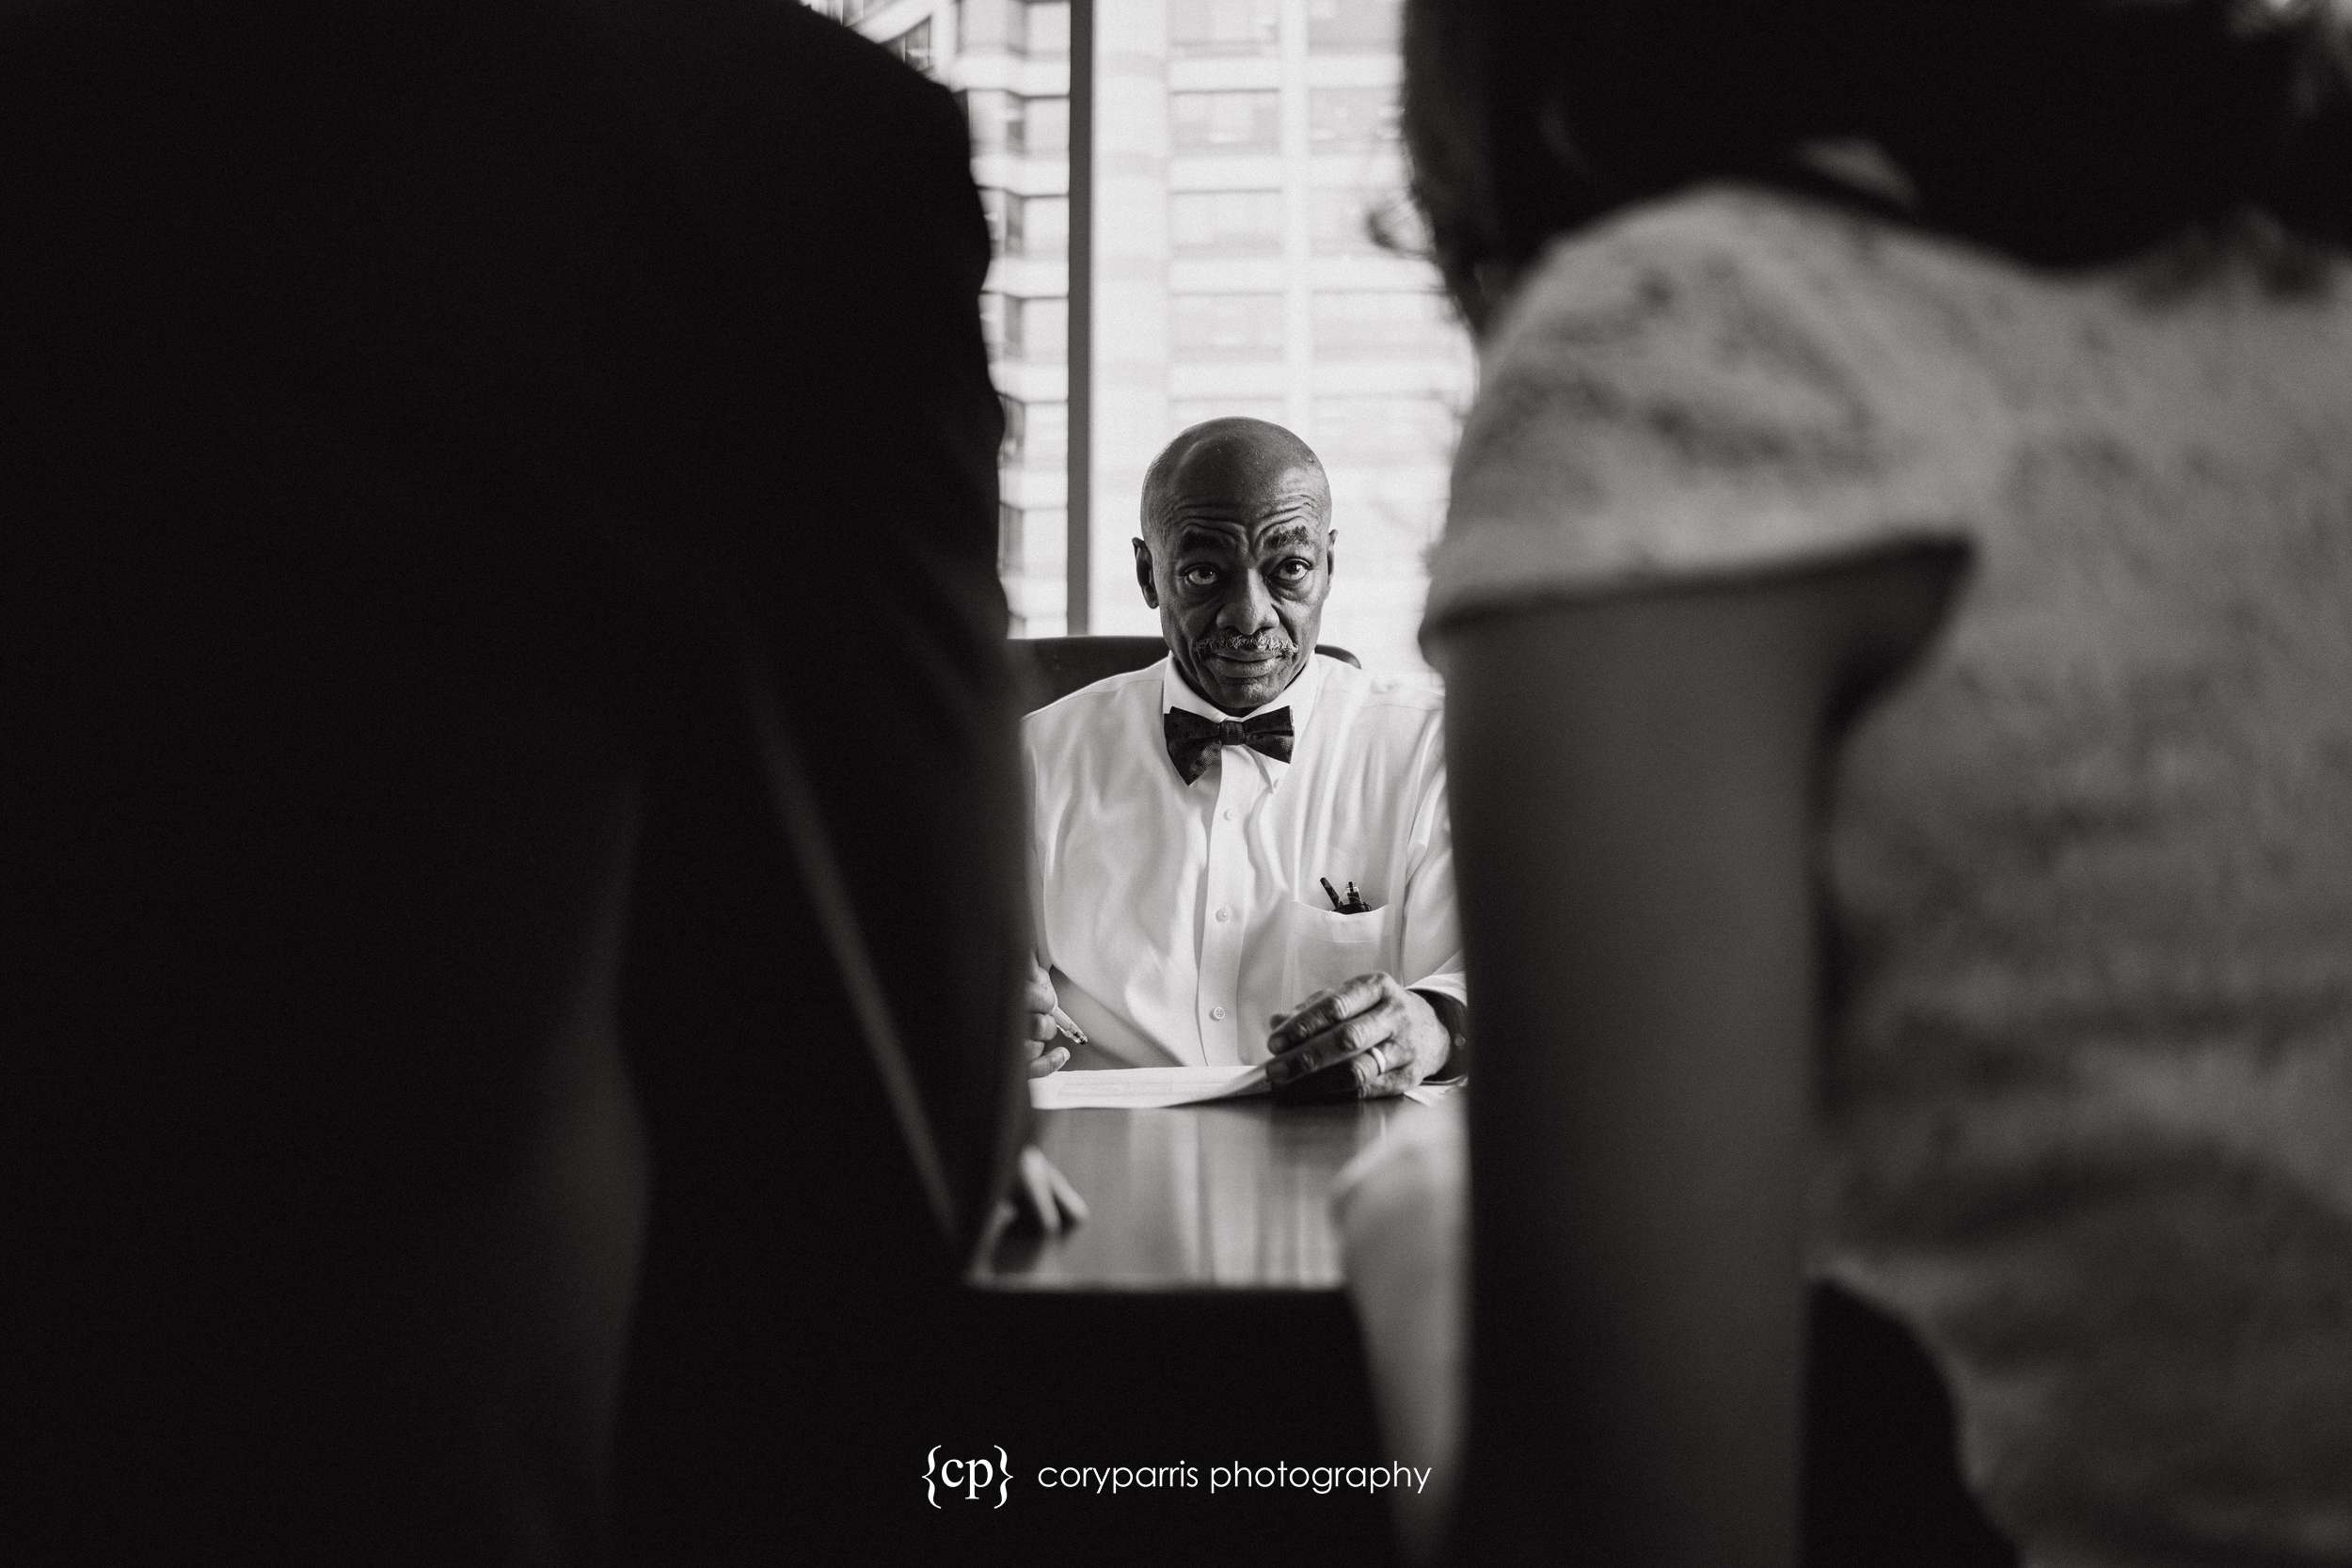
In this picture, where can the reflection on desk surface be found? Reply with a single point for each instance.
(1201, 1197)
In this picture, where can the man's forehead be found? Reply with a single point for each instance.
(1237, 496)
(1301, 523)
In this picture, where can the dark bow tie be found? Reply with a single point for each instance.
(1190, 738)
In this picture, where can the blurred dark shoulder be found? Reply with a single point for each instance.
(627, 276)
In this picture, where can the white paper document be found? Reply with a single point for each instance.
(1145, 1088)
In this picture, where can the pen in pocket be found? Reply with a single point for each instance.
(1353, 904)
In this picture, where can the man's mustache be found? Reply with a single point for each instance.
(1247, 647)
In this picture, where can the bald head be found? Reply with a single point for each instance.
(1236, 557)
(1235, 457)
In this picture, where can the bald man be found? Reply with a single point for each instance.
(1242, 852)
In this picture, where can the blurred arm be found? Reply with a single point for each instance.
(1634, 787)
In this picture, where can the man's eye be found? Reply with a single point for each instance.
(1292, 570)
(1197, 577)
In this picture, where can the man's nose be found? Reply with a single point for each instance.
(1249, 608)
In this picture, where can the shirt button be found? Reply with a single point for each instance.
(1217, 1013)
(1229, 813)
(1224, 915)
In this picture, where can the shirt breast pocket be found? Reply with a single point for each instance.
(1323, 947)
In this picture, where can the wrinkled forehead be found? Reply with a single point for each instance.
(1264, 536)
(1252, 504)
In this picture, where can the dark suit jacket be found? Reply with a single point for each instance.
(438, 440)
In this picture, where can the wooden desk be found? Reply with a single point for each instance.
(1196, 1316)
(1232, 1196)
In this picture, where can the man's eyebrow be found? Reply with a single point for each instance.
(1290, 534)
(1194, 536)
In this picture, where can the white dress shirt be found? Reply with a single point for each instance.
(1177, 919)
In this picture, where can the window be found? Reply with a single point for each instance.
(1036, 226)
(1048, 29)
(984, 24)
(1381, 430)
(1360, 221)
(1037, 328)
(991, 114)
(1338, 223)
(1039, 125)
(914, 46)
(1037, 435)
(1226, 327)
(1346, 118)
(1225, 223)
(1032, 546)
(1353, 26)
(1225, 122)
(995, 206)
(1253, 254)
(1372, 326)
(1012, 538)
(1223, 26)
(1049, 434)
(1184, 413)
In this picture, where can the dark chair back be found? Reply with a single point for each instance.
(1051, 668)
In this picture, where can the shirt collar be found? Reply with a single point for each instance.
(1300, 697)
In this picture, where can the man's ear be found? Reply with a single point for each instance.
(1143, 574)
(1331, 551)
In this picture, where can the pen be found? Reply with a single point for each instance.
(1069, 1030)
(1353, 904)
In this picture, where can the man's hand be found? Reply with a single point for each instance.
(1042, 1201)
(1361, 1039)
(1046, 1023)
